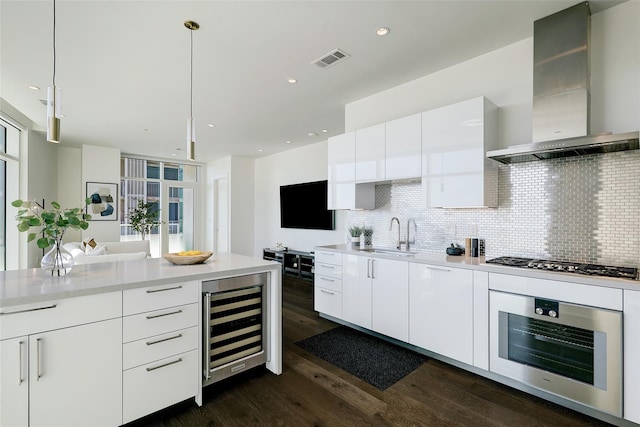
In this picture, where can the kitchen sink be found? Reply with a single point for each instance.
(396, 252)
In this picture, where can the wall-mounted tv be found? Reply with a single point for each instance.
(305, 206)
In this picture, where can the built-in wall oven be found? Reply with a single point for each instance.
(234, 320)
(573, 351)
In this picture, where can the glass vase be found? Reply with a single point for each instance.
(57, 262)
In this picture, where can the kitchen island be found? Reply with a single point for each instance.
(112, 342)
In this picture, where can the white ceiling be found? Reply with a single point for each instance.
(123, 66)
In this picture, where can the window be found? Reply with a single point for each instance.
(170, 188)
(9, 172)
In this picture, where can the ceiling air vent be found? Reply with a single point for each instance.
(331, 58)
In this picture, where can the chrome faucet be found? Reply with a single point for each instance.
(391, 228)
(415, 230)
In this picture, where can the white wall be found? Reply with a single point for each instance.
(70, 189)
(101, 164)
(241, 198)
(296, 166)
(505, 76)
(239, 172)
(42, 181)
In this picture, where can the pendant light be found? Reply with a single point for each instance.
(191, 122)
(53, 95)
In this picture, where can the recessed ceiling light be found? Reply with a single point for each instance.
(292, 80)
(32, 87)
(211, 125)
(383, 31)
(261, 150)
(324, 131)
(288, 142)
(173, 154)
(312, 134)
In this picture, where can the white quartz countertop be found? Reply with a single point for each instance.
(466, 262)
(33, 285)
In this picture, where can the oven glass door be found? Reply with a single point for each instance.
(576, 355)
(562, 349)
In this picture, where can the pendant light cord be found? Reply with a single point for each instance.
(54, 43)
(191, 80)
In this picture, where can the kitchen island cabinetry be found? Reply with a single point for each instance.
(441, 310)
(66, 366)
(455, 170)
(160, 347)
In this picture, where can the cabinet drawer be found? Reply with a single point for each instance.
(59, 313)
(158, 322)
(329, 270)
(324, 257)
(329, 283)
(156, 297)
(158, 347)
(328, 302)
(149, 388)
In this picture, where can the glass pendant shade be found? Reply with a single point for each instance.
(53, 114)
(191, 138)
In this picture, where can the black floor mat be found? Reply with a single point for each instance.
(371, 359)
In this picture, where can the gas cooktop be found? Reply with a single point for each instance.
(568, 267)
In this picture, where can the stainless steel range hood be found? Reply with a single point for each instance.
(561, 93)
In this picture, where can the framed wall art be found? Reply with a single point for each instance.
(104, 201)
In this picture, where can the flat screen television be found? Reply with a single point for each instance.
(305, 206)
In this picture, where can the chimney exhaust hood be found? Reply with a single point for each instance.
(561, 94)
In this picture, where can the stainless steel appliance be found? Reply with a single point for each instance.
(568, 267)
(572, 351)
(561, 94)
(234, 320)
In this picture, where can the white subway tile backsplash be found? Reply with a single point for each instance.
(574, 209)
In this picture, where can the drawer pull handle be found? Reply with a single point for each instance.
(154, 316)
(438, 268)
(165, 364)
(327, 279)
(150, 291)
(328, 253)
(327, 292)
(164, 339)
(327, 266)
(30, 309)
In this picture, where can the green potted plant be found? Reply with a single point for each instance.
(144, 217)
(354, 232)
(51, 224)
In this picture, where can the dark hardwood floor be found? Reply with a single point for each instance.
(311, 392)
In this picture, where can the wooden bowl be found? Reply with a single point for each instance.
(174, 258)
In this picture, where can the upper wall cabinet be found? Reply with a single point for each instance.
(403, 148)
(343, 193)
(370, 154)
(455, 171)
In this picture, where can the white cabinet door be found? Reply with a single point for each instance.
(370, 154)
(390, 301)
(14, 382)
(455, 171)
(75, 375)
(356, 290)
(403, 147)
(342, 192)
(441, 310)
(631, 321)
